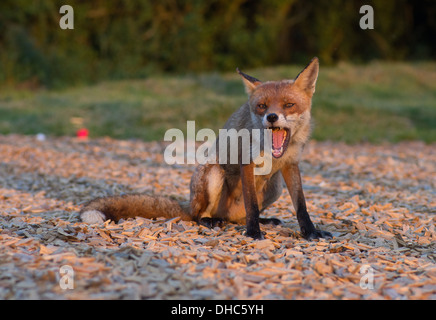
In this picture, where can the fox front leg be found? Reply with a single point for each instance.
(292, 177)
(250, 201)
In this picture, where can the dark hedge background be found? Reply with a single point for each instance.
(115, 39)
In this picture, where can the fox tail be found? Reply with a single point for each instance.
(134, 205)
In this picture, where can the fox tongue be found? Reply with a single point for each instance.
(278, 137)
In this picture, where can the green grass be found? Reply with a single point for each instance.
(376, 103)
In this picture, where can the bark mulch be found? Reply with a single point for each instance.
(378, 201)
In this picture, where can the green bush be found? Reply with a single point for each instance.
(116, 39)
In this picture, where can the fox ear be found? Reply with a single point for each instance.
(306, 80)
(250, 82)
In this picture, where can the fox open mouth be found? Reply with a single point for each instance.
(280, 139)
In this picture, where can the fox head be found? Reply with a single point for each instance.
(283, 106)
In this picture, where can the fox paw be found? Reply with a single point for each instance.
(256, 235)
(211, 222)
(271, 221)
(316, 234)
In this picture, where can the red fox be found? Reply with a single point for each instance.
(231, 192)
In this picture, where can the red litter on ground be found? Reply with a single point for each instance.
(82, 133)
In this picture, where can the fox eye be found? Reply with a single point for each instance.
(262, 106)
(288, 105)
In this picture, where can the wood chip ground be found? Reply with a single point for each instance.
(378, 201)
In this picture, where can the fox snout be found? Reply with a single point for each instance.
(272, 117)
(280, 132)
(271, 120)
